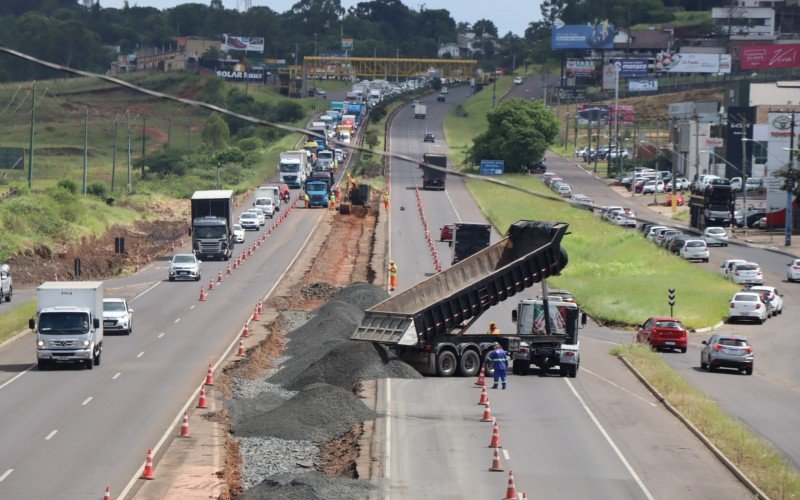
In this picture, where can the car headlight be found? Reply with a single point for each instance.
(40, 343)
(86, 343)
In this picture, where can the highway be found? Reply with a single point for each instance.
(600, 435)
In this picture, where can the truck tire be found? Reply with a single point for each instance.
(446, 364)
(10, 294)
(97, 358)
(43, 364)
(89, 363)
(521, 367)
(469, 364)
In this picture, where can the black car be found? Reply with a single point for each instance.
(440, 98)
(753, 217)
(645, 228)
(429, 137)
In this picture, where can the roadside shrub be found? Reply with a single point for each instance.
(97, 189)
(460, 111)
(251, 144)
(69, 185)
(288, 111)
(164, 162)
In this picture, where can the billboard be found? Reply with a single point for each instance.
(643, 85)
(604, 114)
(582, 36)
(633, 68)
(579, 68)
(609, 77)
(492, 167)
(246, 43)
(572, 93)
(769, 56)
(241, 73)
(347, 44)
(671, 62)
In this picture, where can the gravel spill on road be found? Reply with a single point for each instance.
(309, 486)
(318, 291)
(320, 412)
(292, 319)
(263, 457)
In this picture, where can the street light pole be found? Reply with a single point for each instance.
(617, 67)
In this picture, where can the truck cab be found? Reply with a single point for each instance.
(212, 224)
(318, 193)
(292, 169)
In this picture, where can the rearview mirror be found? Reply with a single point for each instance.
(514, 316)
(96, 322)
(32, 324)
(704, 342)
(130, 310)
(583, 319)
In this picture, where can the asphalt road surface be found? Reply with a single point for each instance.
(600, 435)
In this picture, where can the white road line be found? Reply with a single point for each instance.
(6, 474)
(160, 334)
(387, 451)
(155, 285)
(619, 387)
(116, 376)
(140, 354)
(458, 216)
(601, 340)
(15, 377)
(177, 320)
(86, 401)
(505, 454)
(192, 307)
(610, 442)
(52, 433)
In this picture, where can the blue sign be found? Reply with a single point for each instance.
(583, 36)
(492, 167)
(633, 68)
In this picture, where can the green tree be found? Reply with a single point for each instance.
(216, 132)
(229, 155)
(484, 27)
(519, 133)
(371, 138)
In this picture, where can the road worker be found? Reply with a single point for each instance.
(386, 200)
(493, 330)
(307, 199)
(392, 275)
(499, 361)
(332, 202)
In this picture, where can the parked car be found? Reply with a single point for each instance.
(564, 190)
(581, 152)
(747, 273)
(6, 283)
(607, 213)
(754, 183)
(652, 186)
(715, 235)
(441, 98)
(702, 181)
(644, 228)
(774, 298)
(655, 232)
(736, 183)
(676, 245)
(678, 199)
(726, 268)
(681, 184)
(185, 266)
(238, 233)
(793, 271)
(663, 333)
(117, 316)
(727, 351)
(429, 137)
(747, 305)
(562, 295)
(446, 233)
(517, 80)
(760, 223)
(667, 236)
(695, 250)
(624, 218)
(581, 199)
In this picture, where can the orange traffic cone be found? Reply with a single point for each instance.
(148, 466)
(211, 284)
(202, 293)
(256, 314)
(511, 491)
(229, 270)
(487, 414)
(201, 402)
(219, 276)
(496, 465)
(210, 376)
(107, 495)
(484, 397)
(481, 378)
(495, 443)
(241, 351)
(185, 426)
(246, 331)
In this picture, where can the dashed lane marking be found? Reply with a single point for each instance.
(505, 454)
(86, 401)
(116, 376)
(160, 334)
(140, 354)
(6, 474)
(619, 387)
(52, 433)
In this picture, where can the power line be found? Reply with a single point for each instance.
(12, 100)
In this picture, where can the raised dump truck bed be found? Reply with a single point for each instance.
(428, 314)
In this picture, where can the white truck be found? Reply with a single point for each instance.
(6, 284)
(374, 97)
(69, 323)
(420, 110)
(293, 167)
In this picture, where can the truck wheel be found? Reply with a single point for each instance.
(524, 366)
(42, 364)
(97, 358)
(469, 364)
(89, 364)
(446, 364)
(10, 294)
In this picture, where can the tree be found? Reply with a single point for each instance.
(216, 132)
(519, 133)
(484, 27)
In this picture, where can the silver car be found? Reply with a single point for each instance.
(715, 236)
(727, 351)
(117, 316)
(184, 266)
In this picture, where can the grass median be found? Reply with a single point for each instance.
(616, 275)
(16, 320)
(751, 454)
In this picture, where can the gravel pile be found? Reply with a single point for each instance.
(263, 457)
(292, 320)
(320, 412)
(318, 291)
(312, 485)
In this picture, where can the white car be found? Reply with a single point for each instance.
(655, 232)
(775, 298)
(624, 219)
(736, 183)
(117, 316)
(607, 213)
(518, 80)
(726, 268)
(747, 305)
(703, 181)
(339, 155)
(747, 273)
(695, 250)
(6, 283)
(581, 199)
(184, 266)
(238, 233)
(754, 183)
(564, 190)
(715, 236)
(651, 186)
(792, 273)
(249, 220)
(259, 215)
(266, 206)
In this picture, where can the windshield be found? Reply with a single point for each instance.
(289, 167)
(237, 227)
(208, 232)
(64, 323)
(733, 342)
(745, 298)
(325, 155)
(264, 201)
(715, 230)
(719, 208)
(184, 259)
(249, 215)
(695, 244)
(746, 267)
(669, 324)
(113, 306)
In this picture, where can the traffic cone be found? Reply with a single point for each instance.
(487, 414)
(211, 284)
(496, 465)
(241, 351)
(107, 495)
(202, 403)
(260, 306)
(210, 376)
(202, 293)
(495, 443)
(481, 377)
(484, 397)
(229, 270)
(185, 426)
(236, 263)
(148, 466)
(219, 276)
(511, 491)
(246, 331)
(256, 314)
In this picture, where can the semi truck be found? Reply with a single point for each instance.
(426, 324)
(68, 323)
(212, 224)
(320, 131)
(469, 238)
(713, 206)
(318, 193)
(357, 110)
(433, 178)
(420, 110)
(338, 106)
(293, 168)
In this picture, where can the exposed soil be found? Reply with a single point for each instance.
(653, 107)
(339, 455)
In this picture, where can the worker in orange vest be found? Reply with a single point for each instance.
(493, 330)
(332, 202)
(386, 200)
(392, 275)
(307, 199)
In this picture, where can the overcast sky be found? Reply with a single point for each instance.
(507, 15)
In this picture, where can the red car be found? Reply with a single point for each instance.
(668, 201)
(446, 233)
(663, 333)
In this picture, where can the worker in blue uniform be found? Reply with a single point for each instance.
(499, 361)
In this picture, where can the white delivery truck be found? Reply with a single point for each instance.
(273, 191)
(69, 323)
(420, 110)
(293, 167)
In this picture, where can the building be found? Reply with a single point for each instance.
(450, 49)
(195, 46)
(746, 20)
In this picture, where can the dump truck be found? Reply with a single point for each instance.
(469, 238)
(212, 224)
(431, 177)
(426, 324)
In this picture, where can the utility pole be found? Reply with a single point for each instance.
(566, 131)
(618, 157)
(33, 131)
(744, 177)
(85, 148)
(494, 91)
(144, 140)
(790, 186)
(169, 131)
(114, 155)
(190, 134)
(696, 143)
(128, 118)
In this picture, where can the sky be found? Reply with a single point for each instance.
(507, 15)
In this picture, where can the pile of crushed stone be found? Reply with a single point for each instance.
(318, 291)
(313, 485)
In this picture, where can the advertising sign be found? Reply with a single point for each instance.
(633, 68)
(582, 36)
(579, 68)
(609, 78)
(671, 62)
(240, 73)
(492, 167)
(246, 43)
(715, 142)
(571, 93)
(347, 44)
(603, 113)
(643, 85)
(769, 56)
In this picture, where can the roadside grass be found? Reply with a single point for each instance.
(16, 320)
(465, 121)
(681, 215)
(752, 454)
(616, 275)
